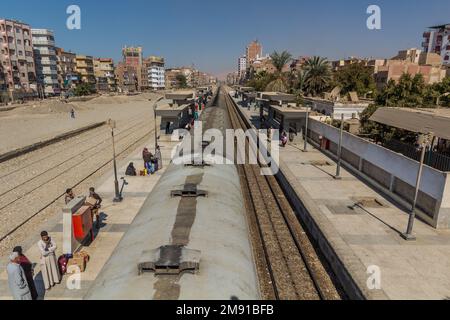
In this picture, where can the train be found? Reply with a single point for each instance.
(189, 241)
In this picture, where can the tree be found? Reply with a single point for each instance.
(84, 89)
(279, 60)
(319, 75)
(409, 92)
(355, 77)
(181, 80)
(261, 80)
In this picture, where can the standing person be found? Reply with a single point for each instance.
(284, 139)
(94, 201)
(28, 270)
(16, 279)
(158, 157)
(69, 196)
(147, 157)
(167, 127)
(49, 265)
(72, 113)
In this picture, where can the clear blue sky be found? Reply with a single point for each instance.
(213, 33)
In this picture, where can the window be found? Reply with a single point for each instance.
(19, 41)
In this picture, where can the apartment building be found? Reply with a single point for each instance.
(153, 73)
(126, 77)
(132, 60)
(85, 69)
(46, 61)
(418, 56)
(233, 78)
(437, 40)
(104, 74)
(18, 73)
(253, 52)
(339, 64)
(67, 69)
(263, 64)
(242, 66)
(394, 69)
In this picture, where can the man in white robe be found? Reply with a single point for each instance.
(49, 264)
(17, 280)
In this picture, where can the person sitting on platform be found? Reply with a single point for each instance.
(131, 170)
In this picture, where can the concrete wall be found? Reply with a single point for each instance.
(393, 171)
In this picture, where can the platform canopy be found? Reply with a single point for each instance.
(425, 121)
(278, 96)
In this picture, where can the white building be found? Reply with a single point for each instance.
(242, 66)
(45, 60)
(437, 40)
(156, 74)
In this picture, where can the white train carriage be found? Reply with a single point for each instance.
(189, 241)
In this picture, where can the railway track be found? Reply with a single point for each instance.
(287, 264)
(25, 201)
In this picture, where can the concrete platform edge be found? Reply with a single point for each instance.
(347, 267)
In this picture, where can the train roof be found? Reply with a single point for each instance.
(217, 239)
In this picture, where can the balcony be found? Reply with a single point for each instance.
(42, 32)
(50, 43)
(46, 51)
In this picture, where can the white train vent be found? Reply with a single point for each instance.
(189, 191)
(170, 260)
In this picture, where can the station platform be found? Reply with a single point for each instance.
(116, 218)
(366, 237)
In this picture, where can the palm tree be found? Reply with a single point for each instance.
(279, 60)
(300, 84)
(319, 75)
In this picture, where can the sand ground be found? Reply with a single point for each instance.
(43, 120)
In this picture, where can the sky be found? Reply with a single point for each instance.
(212, 34)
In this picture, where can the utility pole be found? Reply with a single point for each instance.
(118, 196)
(339, 151)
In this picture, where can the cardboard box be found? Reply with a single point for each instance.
(80, 262)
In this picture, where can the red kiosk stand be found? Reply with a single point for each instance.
(82, 224)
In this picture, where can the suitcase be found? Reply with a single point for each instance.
(62, 264)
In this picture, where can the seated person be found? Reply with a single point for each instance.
(131, 170)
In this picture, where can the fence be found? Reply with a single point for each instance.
(433, 159)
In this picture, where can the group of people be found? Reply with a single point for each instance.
(21, 271)
(152, 163)
(93, 200)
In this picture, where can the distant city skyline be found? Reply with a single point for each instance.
(212, 35)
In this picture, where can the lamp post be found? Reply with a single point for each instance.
(118, 196)
(305, 147)
(438, 101)
(408, 234)
(155, 104)
(339, 151)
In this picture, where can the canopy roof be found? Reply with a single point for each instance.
(425, 121)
